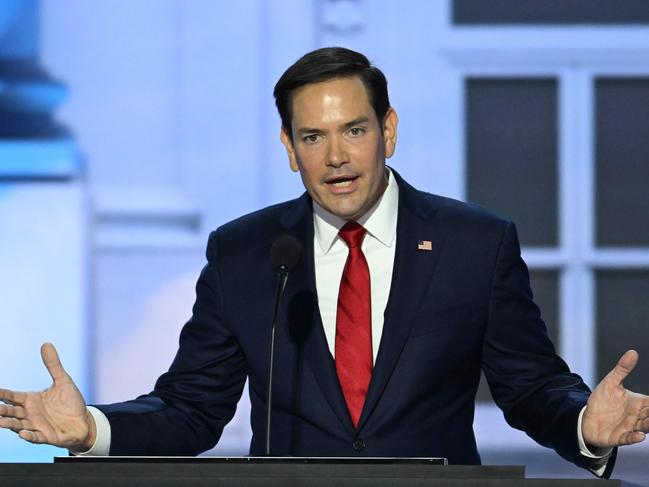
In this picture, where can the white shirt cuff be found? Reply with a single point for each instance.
(101, 447)
(599, 455)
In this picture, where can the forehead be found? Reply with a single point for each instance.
(335, 100)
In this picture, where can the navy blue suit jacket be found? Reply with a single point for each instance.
(462, 307)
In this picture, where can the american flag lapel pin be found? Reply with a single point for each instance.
(425, 245)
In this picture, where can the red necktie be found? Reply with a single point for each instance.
(354, 323)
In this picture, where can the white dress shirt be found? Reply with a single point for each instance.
(330, 254)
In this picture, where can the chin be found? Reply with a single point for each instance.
(346, 210)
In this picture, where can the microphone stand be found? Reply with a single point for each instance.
(281, 284)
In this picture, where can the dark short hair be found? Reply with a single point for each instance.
(326, 64)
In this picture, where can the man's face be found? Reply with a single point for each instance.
(339, 147)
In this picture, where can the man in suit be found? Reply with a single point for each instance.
(401, 298)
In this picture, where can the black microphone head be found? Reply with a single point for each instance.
(285, 253)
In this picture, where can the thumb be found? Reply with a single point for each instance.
(52, 362)
(624, 366)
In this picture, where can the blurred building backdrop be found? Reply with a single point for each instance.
(131, 128)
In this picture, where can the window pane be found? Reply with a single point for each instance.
(545, 285)
(550, 12)
(623, 322)
(512, 152)
(622, 158)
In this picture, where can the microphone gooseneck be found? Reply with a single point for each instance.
(285, 254)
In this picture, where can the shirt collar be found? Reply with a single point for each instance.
(380, 221)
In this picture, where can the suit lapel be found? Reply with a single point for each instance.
(303, 314)
(411, 276)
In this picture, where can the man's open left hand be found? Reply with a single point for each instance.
(615, 416)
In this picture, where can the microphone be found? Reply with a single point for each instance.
(285, 254)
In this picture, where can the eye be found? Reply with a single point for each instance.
(311, 138)
(356, 131)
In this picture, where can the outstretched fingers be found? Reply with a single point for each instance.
(632, 437)
(643, 412)
(642, 425)
(35, 437)
(638, 428)
(10, 411)
(12, 416)
(15, 424)
(11, 397)
(11, 424)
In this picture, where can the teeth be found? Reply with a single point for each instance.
(342, 184)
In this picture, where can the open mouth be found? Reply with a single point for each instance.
(342, 181)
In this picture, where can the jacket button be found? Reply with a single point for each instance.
(359, 444)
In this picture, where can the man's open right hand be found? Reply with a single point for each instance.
(56, 416)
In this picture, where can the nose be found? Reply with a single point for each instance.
(337, 155)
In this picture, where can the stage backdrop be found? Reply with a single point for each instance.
(541, 115)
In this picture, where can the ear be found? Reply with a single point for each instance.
(390, 123)
(290, 149)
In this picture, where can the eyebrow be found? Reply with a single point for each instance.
(352, 123)
(356, 121)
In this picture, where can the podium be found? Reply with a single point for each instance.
(268, 471)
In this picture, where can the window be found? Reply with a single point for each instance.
(562, 12)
